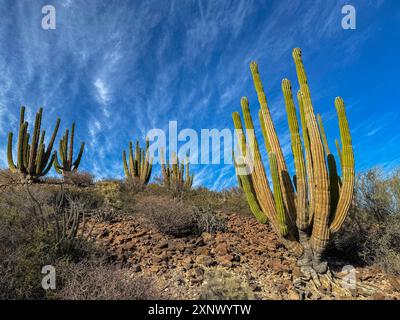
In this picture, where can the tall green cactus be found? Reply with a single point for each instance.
(140, 164)
(176, 175)
(305, 216)
(34, 160)
(66, 165)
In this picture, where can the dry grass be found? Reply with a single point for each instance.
(220, 284)
(92, 280)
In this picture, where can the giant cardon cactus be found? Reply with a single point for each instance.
(66, 165)
(140, 164)
(176, 175)
(307, 210)
(34, 160)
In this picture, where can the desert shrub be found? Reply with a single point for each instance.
(229, 201)
(169, 216)
(92, 279)
(207, 220)
(371, 233)
(128, 189)
(220, 284)
(80, 179)
(38, 227)
(177, 218)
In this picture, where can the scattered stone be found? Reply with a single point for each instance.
(207, 237)
(204, 260)
(203, 251)
(225, 261)
(221, 249)
(136, 268)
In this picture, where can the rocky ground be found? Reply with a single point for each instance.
(248, 249)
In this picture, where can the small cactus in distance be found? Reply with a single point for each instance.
(176, 175)
(140, 164)
(66, 165)
(34, 160)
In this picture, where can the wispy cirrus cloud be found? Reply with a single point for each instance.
(120, 69)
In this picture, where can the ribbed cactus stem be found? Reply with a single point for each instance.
(287, 186)
(346, 192)
(262, 190)
(280, 210)
(320, 233)
(297, 150)
(332, 168)
(339, 151)
(308, 159)
(245, 183)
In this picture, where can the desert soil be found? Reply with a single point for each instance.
(248, 249)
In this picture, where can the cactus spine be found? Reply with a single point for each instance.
(307, 215)
(34, 160)
(140, 163)
(176, 175)
(67, 165)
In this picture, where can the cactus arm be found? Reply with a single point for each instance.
(320, 233)
(308, 158)
(61, 151)
(51, 143)
(286, 183)
(323, 135)
(126, 169)
(339, 151)
(71, 144)
(39, 159)
(263, 193)
(49, 165)
(22, 116)
(137, 159)
(79, 157)
(297, 150)
(332, 168)
(280, 209)
(132, 160)
(57, 165)
(149, 169)
(34, 144)
(27, 152)
(258, 174)
(10, 160)
(347, 190)
(244, 181)
(40, 153)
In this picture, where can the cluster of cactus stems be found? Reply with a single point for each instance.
(307, 210)
(176, 174)
(140, 164)
(34, 160)
(66, 165)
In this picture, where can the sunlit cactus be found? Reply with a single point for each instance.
(176, 175)
(307, 210)
(34, 160)
(66, 165)
(140, 163)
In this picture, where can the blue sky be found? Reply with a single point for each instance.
(121, 68)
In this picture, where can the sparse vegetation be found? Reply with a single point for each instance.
(220, 284)
(371, 234)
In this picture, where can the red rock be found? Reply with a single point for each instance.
(221, 249)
